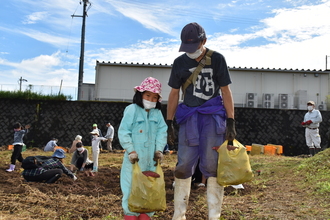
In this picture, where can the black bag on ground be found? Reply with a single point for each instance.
(32, 162)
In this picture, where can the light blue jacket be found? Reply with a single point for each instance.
(143, 132)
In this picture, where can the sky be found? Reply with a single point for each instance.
(40, 41)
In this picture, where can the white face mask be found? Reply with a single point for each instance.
(148, 105)
(310, 108)
(80, 149)
(195, 54)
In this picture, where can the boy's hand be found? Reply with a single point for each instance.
(230, 129)
(170, 132)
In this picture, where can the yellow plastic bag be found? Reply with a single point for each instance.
(147, 193)
(233, 166)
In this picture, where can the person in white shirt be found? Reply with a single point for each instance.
(312, 121)
(109, 135)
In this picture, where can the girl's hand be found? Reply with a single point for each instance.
(133, 157)
(158, 156)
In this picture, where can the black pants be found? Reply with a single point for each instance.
(80, 162)
(197, 176)
(17, 154)
(48, 176)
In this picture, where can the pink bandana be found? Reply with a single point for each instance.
(152, 85)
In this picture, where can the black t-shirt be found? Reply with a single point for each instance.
(208, 82)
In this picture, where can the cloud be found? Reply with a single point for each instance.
(54, 14)
(48, 38)
(50, 68)
(297, 24)
(155, 50)
(34, 17)
(56, 41)
(282, 42)
(151, 16)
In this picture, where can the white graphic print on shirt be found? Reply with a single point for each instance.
(204, 85)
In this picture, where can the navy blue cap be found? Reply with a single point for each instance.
(191, 36)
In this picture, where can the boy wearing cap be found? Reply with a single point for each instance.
(100, 134)
(95, 148)
(206, 119)
(51, 170)
(312, 121)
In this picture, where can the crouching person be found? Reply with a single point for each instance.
(80, 160)
(50, 170)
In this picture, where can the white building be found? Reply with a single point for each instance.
(251, 87)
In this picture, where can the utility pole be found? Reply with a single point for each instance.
(20, 83)
(82, 48)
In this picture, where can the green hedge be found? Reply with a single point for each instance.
(28, 95)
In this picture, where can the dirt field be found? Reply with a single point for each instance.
(274, 194)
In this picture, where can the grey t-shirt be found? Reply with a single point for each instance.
(208, 82)
(18, 137)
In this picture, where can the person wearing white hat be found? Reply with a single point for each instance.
(100, 135)
(142, 133)
(77, 139)
(95, 148)
(312, 120)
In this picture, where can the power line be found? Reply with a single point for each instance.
(67, 48)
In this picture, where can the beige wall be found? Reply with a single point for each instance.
(117, 82)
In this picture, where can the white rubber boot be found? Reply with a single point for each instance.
(181, 198)
(11, 168)
(214, 198)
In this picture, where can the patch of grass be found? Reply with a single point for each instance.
(110, 217)
(316, 171)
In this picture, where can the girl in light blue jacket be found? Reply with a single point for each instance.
(143, 135)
